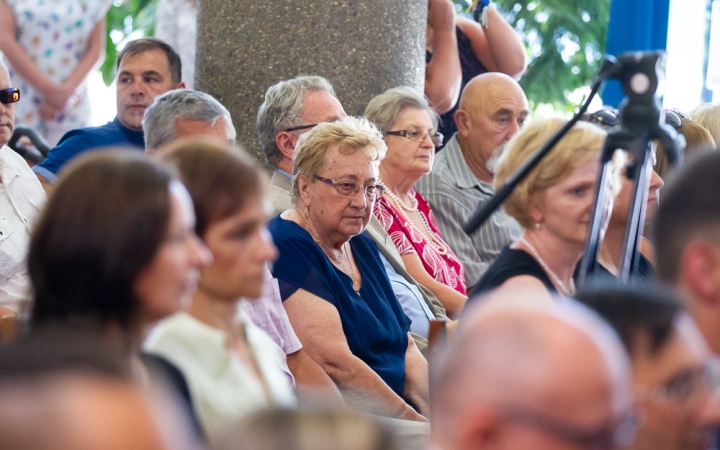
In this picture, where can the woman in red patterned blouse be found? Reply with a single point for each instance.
(410, 129)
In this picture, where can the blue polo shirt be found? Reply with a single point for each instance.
(80, 140)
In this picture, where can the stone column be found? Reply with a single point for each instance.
(362, 46)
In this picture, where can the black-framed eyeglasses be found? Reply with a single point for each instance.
(10, 95)
(418, 135)
(312, 125)
(350, 188)
(687, 387)
(606, 118)
(617, 434)
(302, 127)
(674, 117)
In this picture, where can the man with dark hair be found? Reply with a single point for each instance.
(674, 374)
(687, 236)
(146, 68)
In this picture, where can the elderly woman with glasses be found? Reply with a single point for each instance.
(409, 126)
(331, 278)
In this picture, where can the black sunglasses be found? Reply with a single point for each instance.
(674, 117)
(10, 95)
(603, 117)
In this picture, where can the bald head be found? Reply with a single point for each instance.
(493, 107)
(485, 89)
(562, 363)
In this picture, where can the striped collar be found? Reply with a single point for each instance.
(462, 174)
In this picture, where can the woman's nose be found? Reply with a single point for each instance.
(200, 254)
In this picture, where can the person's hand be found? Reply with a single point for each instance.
(60, 96)
(47, 111)
(441, 15)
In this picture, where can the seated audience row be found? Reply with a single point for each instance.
(184, 113)
(290, 109)
(128, 243)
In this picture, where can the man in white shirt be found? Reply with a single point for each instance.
(21, 199)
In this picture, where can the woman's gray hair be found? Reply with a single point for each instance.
(351, 134)
(384, 109)
(282, 109)
(160, 118)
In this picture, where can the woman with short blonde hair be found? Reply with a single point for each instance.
(553, 204)
(331, 278)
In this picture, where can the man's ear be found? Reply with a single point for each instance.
(180, 85)
(286, 141)
(700, 270)
(462, 120)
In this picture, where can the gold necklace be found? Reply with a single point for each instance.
(344, 250)
(352, 269)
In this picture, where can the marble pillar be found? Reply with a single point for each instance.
(362, 46)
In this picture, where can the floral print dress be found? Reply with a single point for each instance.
(437, 257)
(54, 34)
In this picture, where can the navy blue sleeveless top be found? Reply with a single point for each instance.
(374, 323)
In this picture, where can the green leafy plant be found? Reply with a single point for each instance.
(125, 18)
(565, 40)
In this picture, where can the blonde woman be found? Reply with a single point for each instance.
(332, 282)
(553, 205)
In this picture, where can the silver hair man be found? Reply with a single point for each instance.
(182, 113)
(283, 108)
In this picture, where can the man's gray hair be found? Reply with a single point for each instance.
(160, 118)
(282, 109)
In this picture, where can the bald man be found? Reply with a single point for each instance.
(524, 377)
(493, 107)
